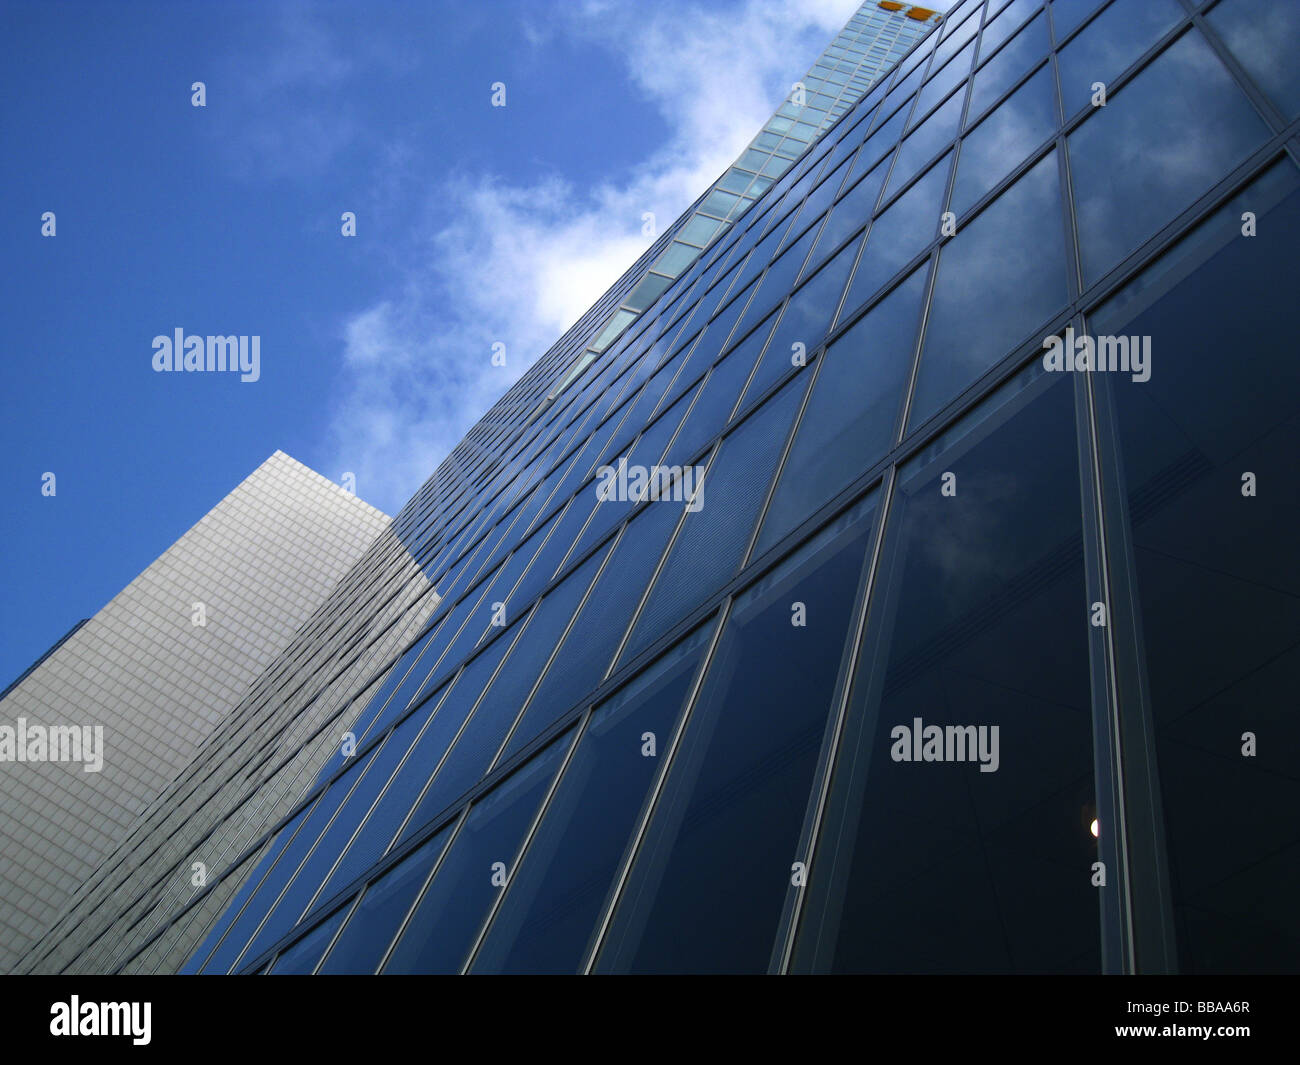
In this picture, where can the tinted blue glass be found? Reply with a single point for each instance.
(717, 398)
(1067, 14)
(399, 796)
(448, 722)
(978, 621)
(1001, 72)
(1219, 404)
(807, 318)
(852, 212)
(1002, 141)
(449, 915)
(934, 134)
(879, 144)
(852, 414)
(221, 961)
(589, 647)
(1262, 37)
(904, 229)
(271, 896)
(358, 804)
(549, 916)
(717, 856)
(1112, 41)
(646, 454)
(941, 84)
(714, 537)
(1006, 271)
(365, 939)
(956, 38)
(1130, 161)
(486, 729)
(302, 956)
(781, 275)
(1004, 23)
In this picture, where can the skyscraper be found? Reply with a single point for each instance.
(907, 587)
(133, 691)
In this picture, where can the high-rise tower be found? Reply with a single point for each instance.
(908, 586)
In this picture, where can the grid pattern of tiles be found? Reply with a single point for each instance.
(256, 566)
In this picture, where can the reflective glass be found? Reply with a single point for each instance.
(549, 916)
(899, 233)
(718, 853)
(1002, 141)
(852, 414)
(481, 858)
(364, 941)
(1160, 142)
(1110, 43)
(1262, 35)
(715, 535)
(1209, 448)
(1001, 72)
(954, 838)
(1002, 275)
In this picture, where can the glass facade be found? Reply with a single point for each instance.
(827, 620)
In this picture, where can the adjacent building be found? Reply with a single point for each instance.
(93, 731)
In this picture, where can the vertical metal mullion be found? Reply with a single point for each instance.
(810, 836)
(528, 839)
(602, 927)
(1151, 924)
(1108, 771)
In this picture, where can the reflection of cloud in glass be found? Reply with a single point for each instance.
(1002, 274)
(1110, 43)
(1002, 140)
(1264, 43)
(1163, 140)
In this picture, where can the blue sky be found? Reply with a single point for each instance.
(475, 225)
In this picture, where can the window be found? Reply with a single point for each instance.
(718, 853)
(927, 862)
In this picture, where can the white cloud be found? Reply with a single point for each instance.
(520, 263)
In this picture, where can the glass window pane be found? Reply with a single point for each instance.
(589, 647)
(300, 957)
(717, 857)
(362, 944)
(1000, 143)
(715, 535)
(909, 224)
(807, 318)
(1218, 584)
(1067, 14)
(1111, 42)
(449, 915)
(934, 134)
(1004, 23)
(1006, 271)
(1262, 36)
(852, 415)
(1160, 142)
(548, 919)
(852, 212)
(943, 83)
(967, 853)
(1001, 72)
